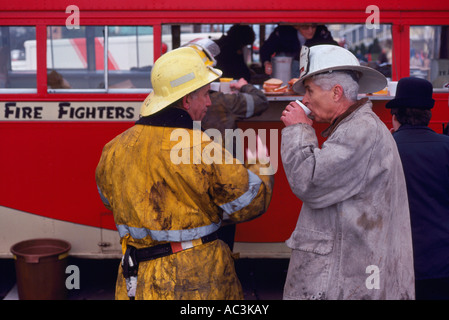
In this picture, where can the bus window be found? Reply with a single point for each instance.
(429, 55)
(130, 57)
(75, 57)
(373, 47)
(174, 36)
(17, 59)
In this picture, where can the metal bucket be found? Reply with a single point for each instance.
(282, 68)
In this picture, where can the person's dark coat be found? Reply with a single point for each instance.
(231, 59)
(284, 39)
(425, 158)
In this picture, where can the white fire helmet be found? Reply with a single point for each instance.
(206, 48)
(328, 58)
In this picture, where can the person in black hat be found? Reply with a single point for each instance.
(425, 159)
(231, 59)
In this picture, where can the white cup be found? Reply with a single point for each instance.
(215, 86)
(392, 85)
(306, 110)
(225, 87)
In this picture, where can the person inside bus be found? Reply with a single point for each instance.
(167, 203)
(232, 57)
(56, 81)
(425, 158)
(353, 235)
(226, 109)
(286, 40)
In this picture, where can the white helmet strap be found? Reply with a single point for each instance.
(304, 61)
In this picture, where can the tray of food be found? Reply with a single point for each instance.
(276, 87)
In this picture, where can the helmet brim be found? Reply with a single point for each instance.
(370, 80)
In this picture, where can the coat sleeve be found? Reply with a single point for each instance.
(269, 47)
(333, 173)
(241, 191)
(249, 102)
(100, 176)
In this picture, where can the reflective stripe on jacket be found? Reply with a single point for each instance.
(227, 109)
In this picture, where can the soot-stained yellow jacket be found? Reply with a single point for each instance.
(164, 182)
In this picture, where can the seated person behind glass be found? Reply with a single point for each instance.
(288, 39)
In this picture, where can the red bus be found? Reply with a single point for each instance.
(74, 74)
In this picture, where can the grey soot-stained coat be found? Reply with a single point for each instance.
(353, 237)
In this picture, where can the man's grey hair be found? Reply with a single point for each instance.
(327, 81)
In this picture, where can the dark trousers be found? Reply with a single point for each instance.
(432, 289)
(227, 234)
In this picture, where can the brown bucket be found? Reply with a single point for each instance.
(40, 268)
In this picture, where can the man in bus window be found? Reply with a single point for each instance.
(353, 236)
(425, 158)
(168, 192)
(232, 56)
(286, 40)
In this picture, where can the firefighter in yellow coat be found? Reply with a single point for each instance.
(170, 187)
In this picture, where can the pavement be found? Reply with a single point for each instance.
(261, 279)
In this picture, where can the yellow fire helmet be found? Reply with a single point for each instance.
(174, 75)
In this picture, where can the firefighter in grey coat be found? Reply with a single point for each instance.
(353, 236)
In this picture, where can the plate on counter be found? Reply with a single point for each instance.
(273, 93)
(286, 93)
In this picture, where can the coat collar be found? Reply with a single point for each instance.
(326, 133)
(168, 117)
(410, 127)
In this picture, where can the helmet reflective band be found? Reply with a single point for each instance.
(183, 79)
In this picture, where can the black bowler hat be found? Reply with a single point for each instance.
(412, 93)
